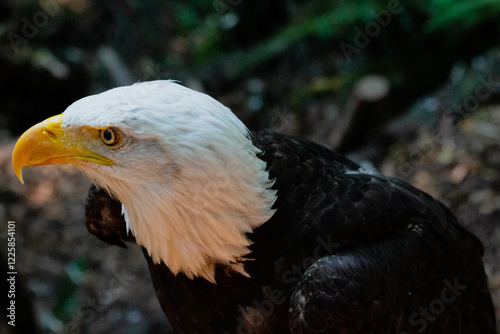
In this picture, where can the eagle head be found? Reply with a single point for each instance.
(182, 164)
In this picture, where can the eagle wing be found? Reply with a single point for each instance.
(104, 219)
(409, 284)
(396, 261)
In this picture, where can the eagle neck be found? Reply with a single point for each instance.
(204, 218)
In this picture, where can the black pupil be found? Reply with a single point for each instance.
(108, 135)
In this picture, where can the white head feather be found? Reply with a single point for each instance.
(186, 173)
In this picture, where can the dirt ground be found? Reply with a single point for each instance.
(97, 288)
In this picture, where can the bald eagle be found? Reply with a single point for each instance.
(260, 232)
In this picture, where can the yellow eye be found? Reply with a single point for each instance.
(110, 137)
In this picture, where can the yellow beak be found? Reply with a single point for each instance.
(48, 143)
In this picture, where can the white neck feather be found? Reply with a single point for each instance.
(205, 219)
(202, 218)
(187, 174)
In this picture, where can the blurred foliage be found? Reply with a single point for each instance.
(462, 14)
(184, 36)
(230, 39)
(66, 297)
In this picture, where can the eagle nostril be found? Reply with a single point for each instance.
(52, 136)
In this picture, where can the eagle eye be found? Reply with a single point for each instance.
(110, 137)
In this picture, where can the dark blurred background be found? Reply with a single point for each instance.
(409, 87)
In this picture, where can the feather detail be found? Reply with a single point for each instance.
(187, 173)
